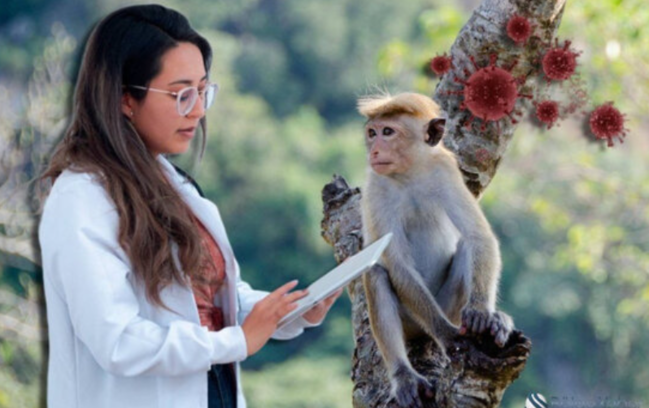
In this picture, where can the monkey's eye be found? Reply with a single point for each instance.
(388, 131)
(371, 133)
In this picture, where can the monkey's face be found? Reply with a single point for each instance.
(389, 143)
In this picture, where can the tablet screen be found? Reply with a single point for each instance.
(338, 277)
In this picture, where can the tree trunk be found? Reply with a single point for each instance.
(476, 372)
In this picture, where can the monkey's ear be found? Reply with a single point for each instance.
(435, 131)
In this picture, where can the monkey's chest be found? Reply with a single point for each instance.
(433, 239)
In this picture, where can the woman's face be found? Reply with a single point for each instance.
(155, 117)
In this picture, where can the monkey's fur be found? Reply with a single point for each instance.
(443, 260)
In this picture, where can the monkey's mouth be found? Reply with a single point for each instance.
(383, 163)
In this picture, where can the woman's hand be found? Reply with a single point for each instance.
(319, 311)
(262, 321)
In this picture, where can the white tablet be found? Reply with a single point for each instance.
(338, 277)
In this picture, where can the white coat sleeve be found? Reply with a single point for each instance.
(83, 262)
(247, 299)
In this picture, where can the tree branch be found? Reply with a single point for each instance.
(479, 151)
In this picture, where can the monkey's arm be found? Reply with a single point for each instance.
(385, 321)
(479, 256)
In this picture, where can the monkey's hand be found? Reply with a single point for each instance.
(411, 389)
(477, 321)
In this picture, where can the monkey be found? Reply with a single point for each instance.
(442, 266)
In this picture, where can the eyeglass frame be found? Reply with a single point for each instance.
(177, 94)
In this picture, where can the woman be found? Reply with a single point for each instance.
(142, 288)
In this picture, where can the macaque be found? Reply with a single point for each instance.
(443, 263)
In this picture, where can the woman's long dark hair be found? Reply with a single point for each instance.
(126, 48)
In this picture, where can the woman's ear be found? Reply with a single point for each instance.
(128, 103)
(435, 131)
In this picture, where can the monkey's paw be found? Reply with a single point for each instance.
(411, 389)
(499, 324)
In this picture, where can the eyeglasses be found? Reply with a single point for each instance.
(186, 98)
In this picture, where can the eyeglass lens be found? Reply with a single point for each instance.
(187, 98)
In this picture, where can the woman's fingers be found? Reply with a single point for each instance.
(287, 303)
(280, 302)
(319, 311)
(331, 299)
(294, 296)
(281, 291)
(283, 310)
(262, 321)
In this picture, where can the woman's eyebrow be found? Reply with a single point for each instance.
(186, 81)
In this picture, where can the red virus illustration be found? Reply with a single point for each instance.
(441, 64)
(547, 112)
(606, 122)
(519, 29)
(490, 93)
(559, 63)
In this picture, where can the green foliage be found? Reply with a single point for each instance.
(16, 8)
(604, 26)
(572, 218)
(311, 52)
(574, 237)
(300, 383)
(20, 374)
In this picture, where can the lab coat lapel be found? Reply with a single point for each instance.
(208, 214)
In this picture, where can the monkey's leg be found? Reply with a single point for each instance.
(387, 328)
(454, 292)
(417, 298)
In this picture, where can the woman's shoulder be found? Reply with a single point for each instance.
(72, 178)
(76, 190)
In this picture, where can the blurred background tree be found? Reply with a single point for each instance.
(572, 216)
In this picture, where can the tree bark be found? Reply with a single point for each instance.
(475, 372)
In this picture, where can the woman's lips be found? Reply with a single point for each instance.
(187, 132)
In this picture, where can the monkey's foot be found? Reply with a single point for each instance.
(446, 334)
(499, 324)
(411, 389)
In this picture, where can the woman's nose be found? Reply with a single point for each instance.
(198, 110)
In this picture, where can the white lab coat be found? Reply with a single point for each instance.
(110, 347)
